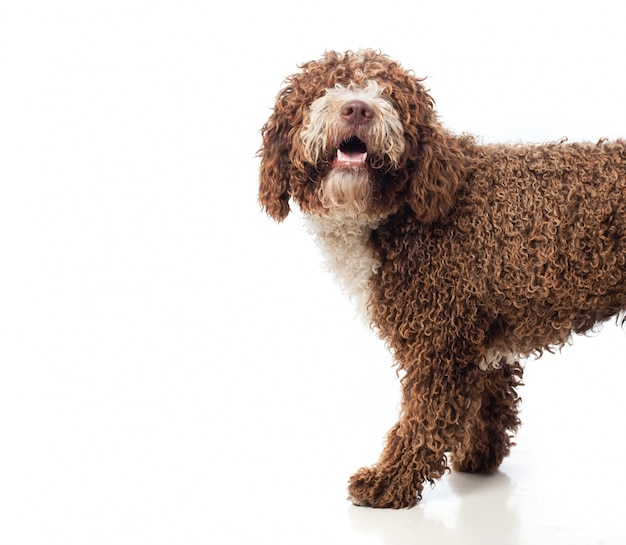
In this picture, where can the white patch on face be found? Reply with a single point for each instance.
(325, 130)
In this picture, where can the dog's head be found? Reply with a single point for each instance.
(356, 134)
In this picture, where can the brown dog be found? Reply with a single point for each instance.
(465, 257)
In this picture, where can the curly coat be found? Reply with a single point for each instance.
(465, 257)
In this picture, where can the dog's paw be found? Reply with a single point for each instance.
(374, 487)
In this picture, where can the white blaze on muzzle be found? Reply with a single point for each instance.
(326, 133)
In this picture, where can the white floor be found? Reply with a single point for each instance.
(143, 425)
(562, 484)
(175, 368)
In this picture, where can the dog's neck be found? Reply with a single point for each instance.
(344, 243)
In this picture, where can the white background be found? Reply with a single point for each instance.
(175, 368)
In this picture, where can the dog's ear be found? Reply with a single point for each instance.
(274, 170)
(438, 174)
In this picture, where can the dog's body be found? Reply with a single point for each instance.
(465, 257)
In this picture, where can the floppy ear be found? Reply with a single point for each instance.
(439, 171)
(274, 171)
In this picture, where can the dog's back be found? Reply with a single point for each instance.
(535, 247)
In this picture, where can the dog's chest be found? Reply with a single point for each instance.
(345, 246)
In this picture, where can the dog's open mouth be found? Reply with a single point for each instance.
(351, 154)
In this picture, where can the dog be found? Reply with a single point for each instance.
(464, 257)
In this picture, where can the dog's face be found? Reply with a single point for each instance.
(355, 134)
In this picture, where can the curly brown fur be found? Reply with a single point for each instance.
(465, 257)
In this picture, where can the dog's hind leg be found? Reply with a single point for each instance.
(488, 434)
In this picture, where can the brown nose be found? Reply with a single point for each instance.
(357, 112)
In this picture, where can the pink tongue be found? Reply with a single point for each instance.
(350, 157)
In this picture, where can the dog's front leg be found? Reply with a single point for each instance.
(437, 401)
(397, 480)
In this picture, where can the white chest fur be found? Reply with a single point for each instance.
(344, 244)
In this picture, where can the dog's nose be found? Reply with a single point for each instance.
(357, 112)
